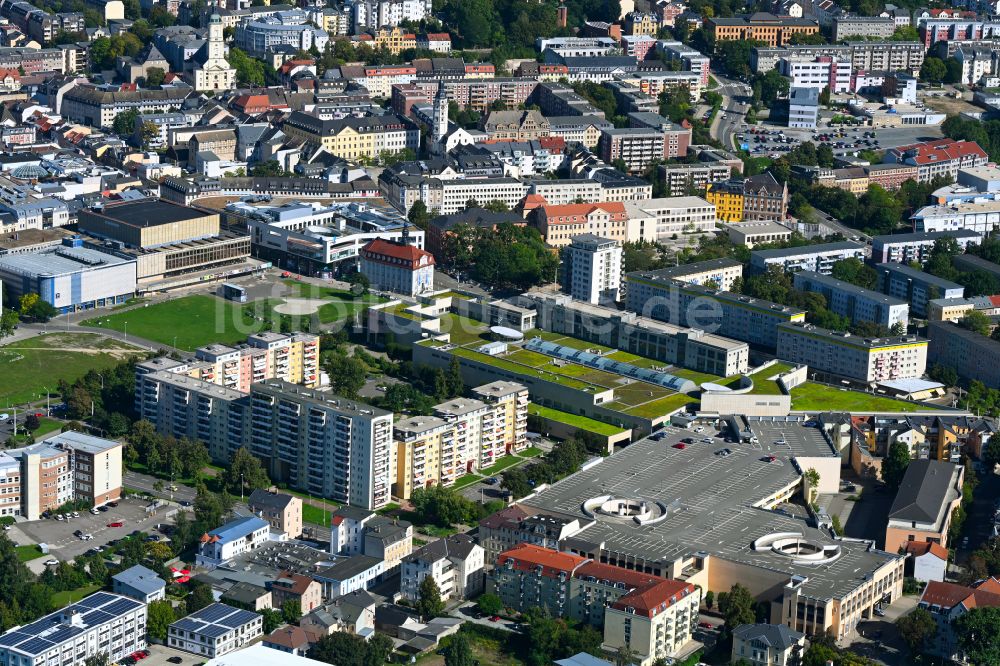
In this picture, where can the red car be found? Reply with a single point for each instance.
(39, 414)
(495, 618)
(117, 523)
(706, 625)
(680, 445)
(771, 458)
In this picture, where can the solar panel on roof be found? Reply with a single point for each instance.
(36, 646)
(93, 601)
(62, 633)
(214, 613)
(214, 631)
(120, 606)
(13, 638)
(97, 617)
(187, 624)
(239, 618)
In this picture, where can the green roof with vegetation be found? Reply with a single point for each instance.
(810, 397)
(574, 420)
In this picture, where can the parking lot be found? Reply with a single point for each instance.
(63, 545)
(160, 654)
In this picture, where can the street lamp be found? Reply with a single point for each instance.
(241, 487)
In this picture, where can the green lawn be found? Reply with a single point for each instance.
(28, 367)
(60, 599)
(47, 426)
(573, 420)
(811, 397)
(464, 331)
(193, 321)
(661, 407)
(28, 553)
(466, 481)
(315, 515)
(504, 463)
(532, 452)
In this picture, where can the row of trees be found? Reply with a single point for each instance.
(510, 256)
(444, 507)
(565, 458)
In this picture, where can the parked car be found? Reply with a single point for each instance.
(117, 523)
(680, 445)
(51, 563)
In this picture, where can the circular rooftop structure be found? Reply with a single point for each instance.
(506, 334)
(625, 509)
(798, 548)
(30, 172)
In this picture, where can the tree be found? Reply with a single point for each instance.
(32, 422)
(976, 321)
(159, 551)
(489, 604)
(895, 464)
(709, 599)
(249, 71)
(978, 633)
(154, 77)
(360, 284)
(343, 649)
(624, 655)
(347, 374)
(147, 132)
(380, 646)
(933, 70)
(429, 605)
(458, 653)
(28, 301)
(916, 629)
(200, 596)
(737, 607)
(272, 619)
(418, 215)
(161, 616)
(99, 659)
(991, 453)
(9, 320)
(855, 272)
(245, 473)
(124, 122)
(291, 610)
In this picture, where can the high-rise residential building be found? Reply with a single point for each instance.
(856, 303)
(463, 435)
(592, 269)
(916, 247)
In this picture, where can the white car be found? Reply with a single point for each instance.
(87, 537)
(4, 417)
(51, 563)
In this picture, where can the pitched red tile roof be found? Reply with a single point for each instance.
(438, 37)
(576, 212)
(918, 548)
(946, 595)
(528, 557)
(387, 252)
(941, 150)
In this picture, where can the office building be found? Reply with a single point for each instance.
(924, 505)
(690, 59)
(916, 247)
(668, 298)
(682, 179)
(98, 107)
(803, 107)
(864, 360)
(819, 258)
(635, 147)
(215, 630)
(916, 287)
(759, 197)
(856, 303)
(592, 269)
(456, 563)
(70, 277)
(757, 232)
(768, 28)
(560, 224)
(660, 219)
(819, 72)
(397, 267)
(283, 512)
(139, 583)
(941, 157)
(234, 538)
(100, 624)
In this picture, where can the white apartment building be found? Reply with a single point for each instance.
(819, 258)
(691, 60)
(397, 267)
(820, 72)
(102, 623)
(981, 218)
(234, 538)
(375, 14)
(215, 630)
(593, 269)
(856, 303)
(662, 218)
(456, 563)
(851, 356)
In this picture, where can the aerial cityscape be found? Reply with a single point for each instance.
(499, 332)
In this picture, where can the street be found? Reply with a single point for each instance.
(147, 483)
(734, 107)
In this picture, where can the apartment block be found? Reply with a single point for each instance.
(916, 247)
(637, 147)
(351, 137)
(915, 287)
(979, 217)
(666, 297)
(853, 357)
(592, 269)
(820, 72)
(560, 224)
(651, 615)
(863, 26)
(974, 356)
(293, 358)
(941, 157)
(100, 624)
(456, 563)
(819, 258)
(690, 59)
(874, 56)
(854, 302)
(283, 512)
(355, 531)
(683, 179)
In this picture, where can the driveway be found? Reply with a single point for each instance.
(147, 484)
(58, 534)
(878, 638)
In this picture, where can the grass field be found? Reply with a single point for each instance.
(532, 452)
(765, 381)
(28, 553)
(466, 481)
(504, 463)
(464, 331)
(194, 321)
(660, 407)
(28, 367)
(315, 515)
(573, 420)
(60, 599)
(822, 398)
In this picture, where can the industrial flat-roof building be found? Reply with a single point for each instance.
(148, 223)
(70, 277)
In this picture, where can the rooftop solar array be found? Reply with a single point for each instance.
(592, 360)
(215, 620)
(50, 631)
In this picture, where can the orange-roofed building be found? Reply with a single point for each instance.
(927, 560)
(395, 40)
(946, 602)
(559, 224)
(398, 267)
(653, 615)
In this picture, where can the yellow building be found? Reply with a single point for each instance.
(728, 199)
(637, 23)
(354, 138)
(768, 28)
(510, 421)
(395, 40)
